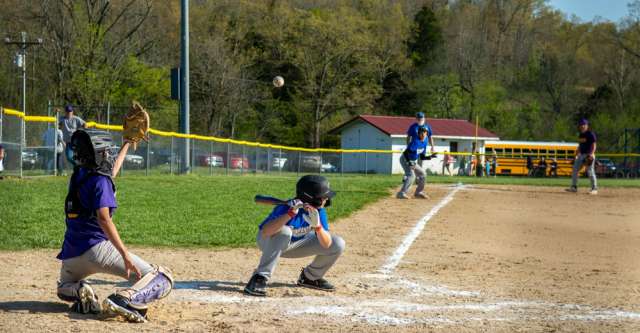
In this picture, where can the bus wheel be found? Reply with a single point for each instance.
(619, 174)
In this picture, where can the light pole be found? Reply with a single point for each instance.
(21, 61)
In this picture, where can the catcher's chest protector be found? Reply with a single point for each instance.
(73, 207)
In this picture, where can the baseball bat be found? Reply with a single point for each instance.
(268, 200)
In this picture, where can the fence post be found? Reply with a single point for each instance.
(320, 162)
(228, 159)
(280, 161)
(1, 118)
(171, 157)
(146, 172)
(268, 160)
(256, 166)
(365, 163)
(242, 161)
(299, 158)
(341, 163)
(210, 159)
(22, 142)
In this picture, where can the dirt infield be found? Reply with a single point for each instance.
(489, 258)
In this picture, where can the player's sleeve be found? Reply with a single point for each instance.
(324, 220)
(275, 213)
(429, 131)
(103, 195)
(81, 122)
(410, 130)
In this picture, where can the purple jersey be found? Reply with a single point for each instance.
(586, 140)
(84, 232)
(298, 225)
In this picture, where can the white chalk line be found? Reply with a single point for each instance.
(398, 311)
(393, 261)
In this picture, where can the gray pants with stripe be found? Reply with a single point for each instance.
(417, 173)
(280, 245)
(101, 258)
(577, 164)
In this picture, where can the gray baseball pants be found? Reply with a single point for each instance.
(280, 245)
(101, 258)
(417, 173)
(590, 170)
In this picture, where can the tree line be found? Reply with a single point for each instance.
(523, 69)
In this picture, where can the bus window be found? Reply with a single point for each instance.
(517, 152)
(508, 152)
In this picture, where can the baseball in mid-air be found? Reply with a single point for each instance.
(278, 81)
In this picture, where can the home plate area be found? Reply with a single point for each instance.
(391, 298)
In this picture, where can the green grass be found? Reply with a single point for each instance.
(196, 211)
(179, 211)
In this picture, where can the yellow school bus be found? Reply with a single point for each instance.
(512, 156)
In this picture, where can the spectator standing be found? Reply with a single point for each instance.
(70, 123)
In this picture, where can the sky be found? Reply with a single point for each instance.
(587, 10)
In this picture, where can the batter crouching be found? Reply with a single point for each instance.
(91, 241)
(299, 229)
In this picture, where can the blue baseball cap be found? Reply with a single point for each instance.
(583, 121)
(420, 115)
(68, 108)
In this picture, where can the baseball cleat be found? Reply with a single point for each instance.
(257, 286)
(87, 300)
(319, 284)
(593, 191)
(572, 189)
(402, 195)
(120, 305)
(421, 195)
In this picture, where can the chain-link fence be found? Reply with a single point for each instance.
(33, 147)
(36, 139)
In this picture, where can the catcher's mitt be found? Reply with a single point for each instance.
(588, 161)
(136, 125)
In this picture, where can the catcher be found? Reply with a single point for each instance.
(91, 241)
(585, 156)
(416, 150)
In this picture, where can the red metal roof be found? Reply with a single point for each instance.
(393, 125)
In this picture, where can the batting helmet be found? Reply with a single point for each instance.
(312, 189)
(93, 150)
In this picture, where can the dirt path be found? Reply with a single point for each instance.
(492, 259)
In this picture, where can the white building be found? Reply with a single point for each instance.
(389, 133)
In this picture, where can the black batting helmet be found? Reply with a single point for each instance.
(312, 189)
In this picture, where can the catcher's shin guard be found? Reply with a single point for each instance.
(153, 286)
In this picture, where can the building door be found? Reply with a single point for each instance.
(453, 147)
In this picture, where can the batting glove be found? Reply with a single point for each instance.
(294, 206)
(313, 218)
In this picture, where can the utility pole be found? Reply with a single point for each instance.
(21, 61)
(184, 85)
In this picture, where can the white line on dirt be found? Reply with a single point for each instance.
(393, 261)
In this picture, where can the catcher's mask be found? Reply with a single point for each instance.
(312, 189)
(93, 150)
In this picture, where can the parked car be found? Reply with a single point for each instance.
(29, 159)
(306, 163)
(131, 160)
(605, 168)
(328, 167)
